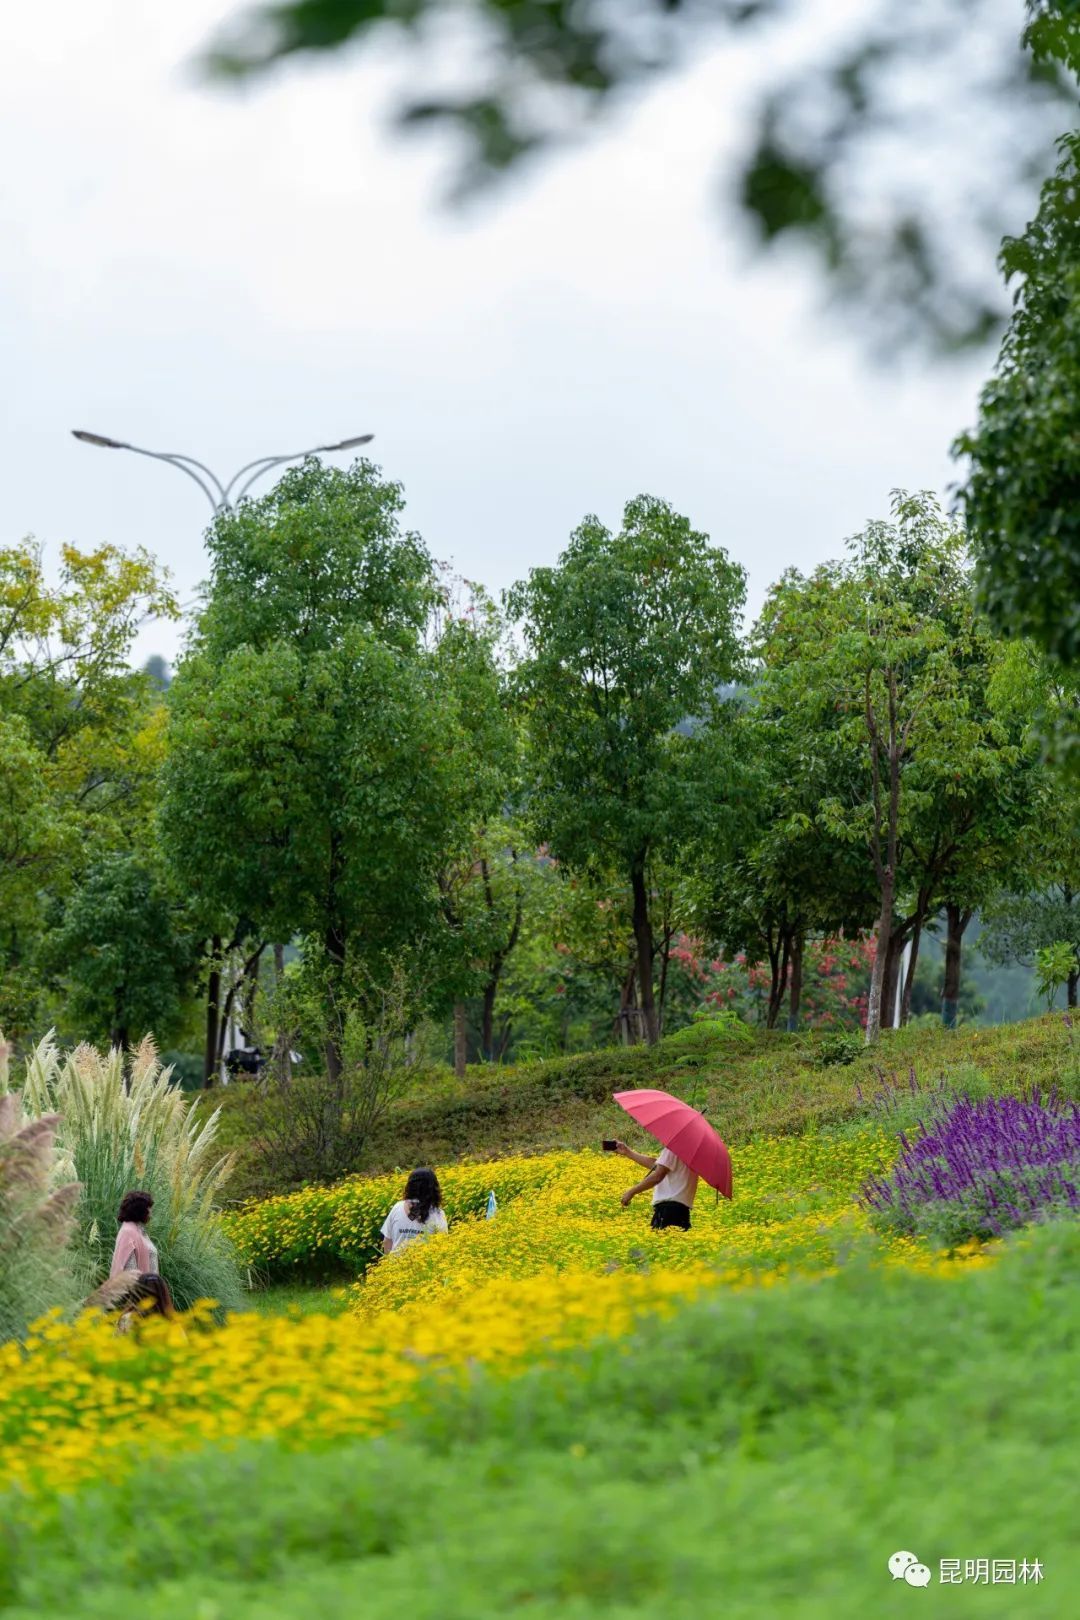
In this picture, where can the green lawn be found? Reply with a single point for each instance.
(298, 1300)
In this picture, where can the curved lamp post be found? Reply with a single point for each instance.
(219, 495)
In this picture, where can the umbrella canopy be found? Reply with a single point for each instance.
(682, 1129)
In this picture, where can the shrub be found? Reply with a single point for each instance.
(37, 1220)
(314, 1126)
(981, 1168)
(840, 1049)
(125, 1128)
(711, 1029)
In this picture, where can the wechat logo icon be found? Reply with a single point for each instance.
(905, 1566)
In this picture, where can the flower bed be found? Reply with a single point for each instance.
(78, 1402)
(325, 1229)
(981, 1168)
(795, 1209)
(562, 1264)
(321, 1230)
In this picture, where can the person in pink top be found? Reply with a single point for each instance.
(134, 1250)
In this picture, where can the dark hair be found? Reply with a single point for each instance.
(135, 1206)
(422, 1194)
(154, 1288)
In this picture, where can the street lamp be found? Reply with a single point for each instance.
(218, 494)
(207, 481)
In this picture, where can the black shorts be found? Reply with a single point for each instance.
(669, 1212)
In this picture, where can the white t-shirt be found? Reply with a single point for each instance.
(400, 1227)
(679, 1184)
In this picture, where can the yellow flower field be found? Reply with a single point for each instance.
(562, 1264)
(80, 1402)
(794, 1209)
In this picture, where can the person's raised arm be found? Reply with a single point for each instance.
(644, 1159)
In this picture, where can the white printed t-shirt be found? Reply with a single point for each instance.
(400, 1227)
(679, 1184)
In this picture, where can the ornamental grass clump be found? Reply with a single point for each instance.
(124, 1126)
(37, 1220)
(980, 1168)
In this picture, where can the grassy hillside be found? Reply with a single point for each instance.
(770, 1083)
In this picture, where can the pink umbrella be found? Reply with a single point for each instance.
(682, 1129)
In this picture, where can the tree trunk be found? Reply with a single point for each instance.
(334, 944)
(877, 978)
(249, 995)
(795, 992)
(281, 1061)
(1073, 977)
(665, 958)
(643, 940)
(461, 1045)
(213, 1002)
(487, 1020)
(779, 978)
(627, 1021)
(956, 921)
(921, 908)
(498, 960)
(894, 957)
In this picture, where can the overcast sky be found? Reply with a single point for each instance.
(233, 275)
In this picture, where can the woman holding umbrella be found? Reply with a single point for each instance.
(673, 1185)
(691, 1150)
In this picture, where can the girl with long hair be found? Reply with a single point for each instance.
(417, 1215)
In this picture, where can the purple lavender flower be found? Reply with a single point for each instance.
(981, 1167)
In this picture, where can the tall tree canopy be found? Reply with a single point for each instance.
(80, 732)
(629, 642)
(1024, 453)
(318, 760)
(891, 673)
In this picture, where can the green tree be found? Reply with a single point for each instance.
(482, 891)
(1041, 905)
(80, 733)
(122, 952)
(873, 658)
(1023, 455)
(316, 756)
(629, 642)
(787, 879)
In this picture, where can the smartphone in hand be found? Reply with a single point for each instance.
(609, 1146)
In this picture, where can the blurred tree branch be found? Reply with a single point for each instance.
(900, 153)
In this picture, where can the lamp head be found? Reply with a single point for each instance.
(99, 439)
(348, 444)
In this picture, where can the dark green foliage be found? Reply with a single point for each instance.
(122, 953)
(840, 1049)
(1024, 454)
(315, 752)
(629, 641)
